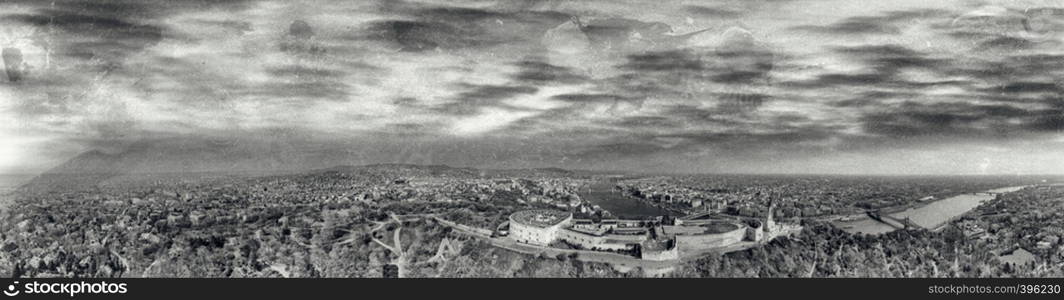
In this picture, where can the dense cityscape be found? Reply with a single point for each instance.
(438, 221)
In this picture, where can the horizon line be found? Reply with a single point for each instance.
(634, 172)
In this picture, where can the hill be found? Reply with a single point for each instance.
(184, 159)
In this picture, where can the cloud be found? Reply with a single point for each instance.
(300, 71)
(107, 31)
(474, 97)
(1007, 43)
(539, 72)
(886, 23)
(614, 150)
(591, 98)
(911, 119)
(664, 61)
(853, 26)
(424, 36)
(1028, 87)
(737, 76)
(888, 67)
(875, 98)
(436, 27)
(487, 120)
(714, 12)
(654, 122)
(622, 85)
(889, 58)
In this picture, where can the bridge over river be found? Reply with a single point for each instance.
(906, 223)
(930, 216)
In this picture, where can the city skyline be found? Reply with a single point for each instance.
(790, 86)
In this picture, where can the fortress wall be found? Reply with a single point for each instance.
(584, 240)
(670, 254)
(542, 236)
(703, 241)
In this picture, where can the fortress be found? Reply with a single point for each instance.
(655, 241)
(538, 227)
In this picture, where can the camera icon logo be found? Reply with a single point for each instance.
(11, 291)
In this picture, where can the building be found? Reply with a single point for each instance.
(543, 227)
(770, 224)
(691, 239)
(659, 250)
(583, 238)
(754, 231)
(595, 240)
(539, 226)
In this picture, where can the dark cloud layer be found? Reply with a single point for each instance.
(959, 119)
(475, 97)
(107, 30)
(714, 12)
(431, 27)
(853, 26)
(589, 84)
(540, 72)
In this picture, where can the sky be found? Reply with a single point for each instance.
(730, 86)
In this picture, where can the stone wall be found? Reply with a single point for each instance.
(687, 243)
(670, 254)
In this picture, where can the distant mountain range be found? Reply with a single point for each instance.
(168, 159)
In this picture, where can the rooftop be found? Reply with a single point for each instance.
(656, 245)
(595, 232)
(539, 217)
(720, 227)
(711, 228)
(1019, 256)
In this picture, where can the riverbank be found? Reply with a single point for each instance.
(605, 196)
(929, 215)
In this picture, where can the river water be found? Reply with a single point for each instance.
(931, 215)
(605, 196)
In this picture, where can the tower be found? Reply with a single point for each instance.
(769, 223)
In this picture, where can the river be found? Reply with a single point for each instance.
(605, 196)
(931, 215)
